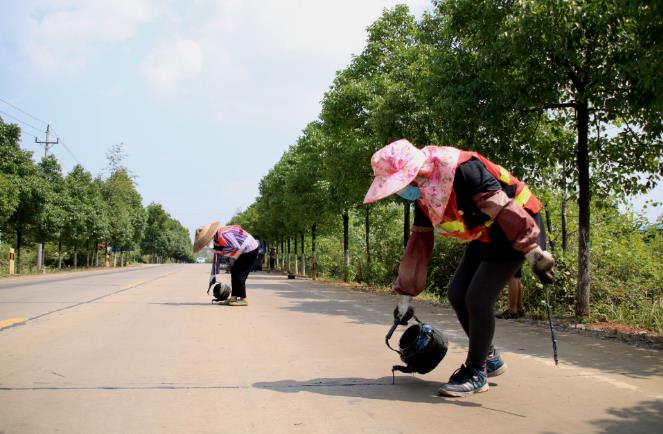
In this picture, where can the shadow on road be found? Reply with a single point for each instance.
(517, 337)
(209, 303)
(410, 389)
(647, 416)
(406, 388)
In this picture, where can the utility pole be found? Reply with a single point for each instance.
(46, 143)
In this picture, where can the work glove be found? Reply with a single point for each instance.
(542, 264)
(403, 311)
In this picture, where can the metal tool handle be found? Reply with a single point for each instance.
(393, 329)
(552, 329)
(390, 334)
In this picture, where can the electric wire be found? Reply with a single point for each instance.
(23, 111)
(21, 121)
(35, 128)
(66, 148)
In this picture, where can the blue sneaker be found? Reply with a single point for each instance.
(464, 382)
(494, 364)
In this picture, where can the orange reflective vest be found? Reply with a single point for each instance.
(453, 225)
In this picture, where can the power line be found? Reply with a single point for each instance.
(70, 153)
(23, 111)
(35, 128)
(21, 122)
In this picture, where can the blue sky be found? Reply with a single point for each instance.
(205, 95)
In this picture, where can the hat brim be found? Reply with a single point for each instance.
(386, 185)
(205, 236)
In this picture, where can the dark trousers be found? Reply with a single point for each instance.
(240, 271)
(472, 293)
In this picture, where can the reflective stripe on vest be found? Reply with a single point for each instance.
(504, 175)
(522, 197)
(453, 226)
(458, 226)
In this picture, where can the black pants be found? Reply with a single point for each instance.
(240, 271)
(473, 291)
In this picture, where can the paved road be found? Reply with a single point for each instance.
(143, 351)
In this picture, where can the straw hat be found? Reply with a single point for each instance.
(394, 166)
(204, 235)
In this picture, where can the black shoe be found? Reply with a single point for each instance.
(507, 314)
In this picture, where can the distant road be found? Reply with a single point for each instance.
(142, 350)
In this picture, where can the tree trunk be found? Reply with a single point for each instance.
(301, 234)
(314, 260)
(582, 291)
(60, 253)
(40, 256)
(75, 256)
(406, 223)
(565, 228)
(296, 259)
(367, 225)
(19, 239)
(288, 255)
(346, 245)
(551, 243)
(282, 255)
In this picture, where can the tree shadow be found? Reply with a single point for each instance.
(646, 416)
(521, 337)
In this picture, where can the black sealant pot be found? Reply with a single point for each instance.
(421, 348)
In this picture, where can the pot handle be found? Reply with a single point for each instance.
(390, 334)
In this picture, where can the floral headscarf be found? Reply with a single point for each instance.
(433, 167)
(436, 179)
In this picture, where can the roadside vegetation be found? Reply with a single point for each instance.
(79, 220)
(568, 95)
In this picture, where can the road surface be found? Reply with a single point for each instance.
(142, 350)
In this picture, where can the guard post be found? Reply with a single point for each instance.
(11, 260)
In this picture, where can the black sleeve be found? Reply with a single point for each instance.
(473, 178)
(420, 217)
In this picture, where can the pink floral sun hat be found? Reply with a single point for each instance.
(394, 166)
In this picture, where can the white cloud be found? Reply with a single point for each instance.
(165, 66)
(271, 61)
(65, 34)
(328, 29)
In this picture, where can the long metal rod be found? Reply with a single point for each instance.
(552, 329)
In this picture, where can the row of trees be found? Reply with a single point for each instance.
(78, 213)
(567, 94)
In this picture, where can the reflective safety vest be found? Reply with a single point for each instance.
(453, 225)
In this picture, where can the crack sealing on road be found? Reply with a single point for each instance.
(189, 387)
